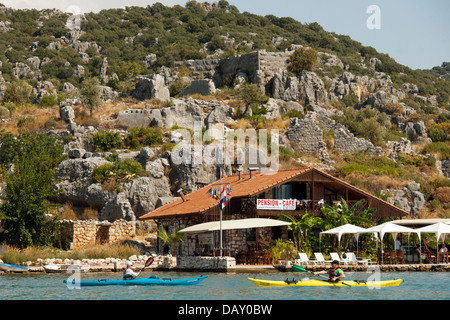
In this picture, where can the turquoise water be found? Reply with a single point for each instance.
(223, 286)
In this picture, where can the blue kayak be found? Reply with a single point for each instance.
(152, 281)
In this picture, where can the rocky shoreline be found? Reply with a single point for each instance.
(227, 264)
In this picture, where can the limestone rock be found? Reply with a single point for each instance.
(155, 168)
(21, 70)
(285, 87)
(409, 199)
(143, 193)
(66, 112)
(134, 118)
(346, 142)
(117, 208)
(204, 87)
(107, 94)
(151, 87)
(312, 89)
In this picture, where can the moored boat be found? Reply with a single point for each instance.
(63, 268)
(152, 281)
(325, 283)
(12, 268)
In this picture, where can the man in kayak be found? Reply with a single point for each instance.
(128, 273)
(335, 273)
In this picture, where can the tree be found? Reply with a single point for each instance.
(252, 96)
(28, 173)
(302, 229)
(90, 90)
(18, 92)
(172, 240)
(340, 214)
(303, 59)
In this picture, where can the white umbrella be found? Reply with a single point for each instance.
(345, 229)
(439, 229)
(389, 227)
(234, 224)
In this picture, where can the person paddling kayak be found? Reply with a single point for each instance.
(128, 273)
(335, 273)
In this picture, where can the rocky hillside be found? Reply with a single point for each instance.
(356, 112)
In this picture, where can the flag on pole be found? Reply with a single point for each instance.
(221, 173)
(209, 193)
(223, 199)
(228, 190)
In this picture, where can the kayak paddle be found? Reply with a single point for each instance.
(299, 268)
(147, 264)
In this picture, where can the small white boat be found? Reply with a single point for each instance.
(12, 268)
(63, 268)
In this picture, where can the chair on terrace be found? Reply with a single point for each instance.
(303, 258)
(400, 257)
(320, 259)
(392, 257)
(351, 258)
(335, 256)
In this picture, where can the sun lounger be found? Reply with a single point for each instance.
(351, 258)
(320, 259)
(303, 258)
(335, 256)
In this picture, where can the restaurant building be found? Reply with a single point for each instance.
(257, 195)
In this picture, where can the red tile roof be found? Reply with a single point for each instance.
(198, 201)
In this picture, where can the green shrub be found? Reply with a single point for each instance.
(110, 175)
(104, 141)
(368, 166)
(24, 120)
(47, 101)
(437, 134)
(303, 59)
(177, 86)
(440, 148)
(4, 112)
(294, 114)
(101, 173)
(140, 136)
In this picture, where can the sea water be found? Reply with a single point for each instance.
(224, 286)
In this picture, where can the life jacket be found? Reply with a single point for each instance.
(126, 276)
(332, 273)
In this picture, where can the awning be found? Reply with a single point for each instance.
(234, 224)
(418, 223)
(345, 229)
(439, 229)
(389, 227)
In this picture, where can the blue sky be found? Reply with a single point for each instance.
(414, 32)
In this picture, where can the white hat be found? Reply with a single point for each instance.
(129, 263)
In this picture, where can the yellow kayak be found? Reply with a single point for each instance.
(324, 283)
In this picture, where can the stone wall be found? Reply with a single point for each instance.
(346, 142)
(259, 66)
(198, 68)
(83, 233)
(205, 263)
(304, 135)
